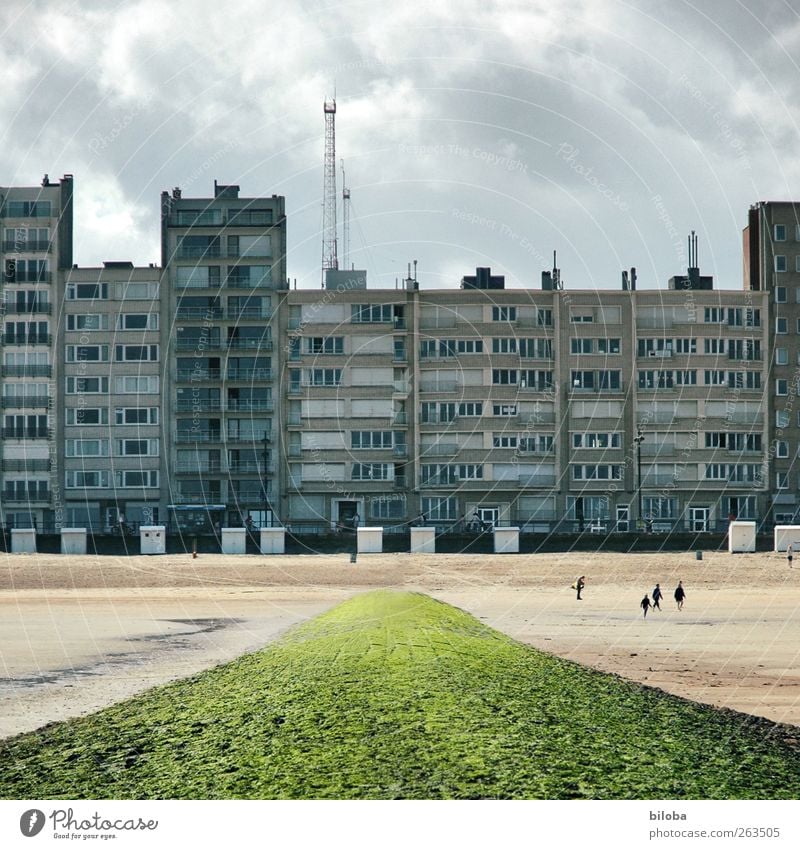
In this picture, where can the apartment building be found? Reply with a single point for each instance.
(548, 408)
(109, 424)
(224, 260)
(36, 246)
(772, 269)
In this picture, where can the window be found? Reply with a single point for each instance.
(504, 410)
(505, 345)
(609, 346)
(87, 415)
(137, 447)
(504, 440)
(544, 318)
(782, 325)
(781, 418)
(136, 415)
(714, 315)
(325, 345)
(87, 353)
(752, 317)
(372, 471)
(136, 385)
(84, 479)
(780, 294)
(504, 376)
(324, 376)
(87, 291)
(92, 321)
(469, 346)
(686, 346)
(714, 377)
(596, 472)
(504, 313)
(470, 408)
(28, 209)
(686, 377)
(780, 263)
(372, 313)
(372, 439)
(781, 386)
(440, 509)
(137, 321)
(596, 440)
(86, 447)
(136, 354)
(87, 385)
(387, 506)
(609, 379)
(536, 349)
(660, 508)
(781, 448)
(781, 480)
(581, 346)
(137, 291)
(582, 379)
(138, 479)
(780, 233)
(714, 346)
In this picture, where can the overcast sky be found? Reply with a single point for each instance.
(473, 133)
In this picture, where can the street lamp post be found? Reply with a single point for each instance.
(638, 439)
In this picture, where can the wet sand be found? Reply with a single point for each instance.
(79, 633)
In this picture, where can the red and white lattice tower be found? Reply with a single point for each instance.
(329, 248)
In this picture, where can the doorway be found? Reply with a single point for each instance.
(623, 518)
(698, 519)
(490, 516)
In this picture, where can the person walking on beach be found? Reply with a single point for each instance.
(657, 596)
(645, 605)
(789, 555)
(680, 595)
(579, 585)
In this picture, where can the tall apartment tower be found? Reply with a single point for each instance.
(224, 260)
(36, 247)
(109, 422)
(771, 256)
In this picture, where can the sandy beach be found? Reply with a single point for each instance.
(79, 633)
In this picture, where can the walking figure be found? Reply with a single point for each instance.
(790, 554)
(680, 595)
(645, 605)
(657, 596)
(579, 585)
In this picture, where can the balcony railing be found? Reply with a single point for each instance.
(199, 344)
(182, 497)
(30, 277)
(26, 432)
(18, 308)
(400, 418)
(589, 390)
(237, 343)
(236, 281)
(650, 481)
(208, 283)
(250, 374)
(206, 405)
(663, 449)
(250, 313)
(208, 252)
(15, 496)
(207, 467)
(440, 450)
(19, 401)
(25, 339)
(188, 436)
(190, 375)
(440, 386)
(249, 218)
(400, 451)
(399, 482)
(27, 465)
(251, 467)
(248, 438)
(27, 371)
(199, 313)
(239, 405)
(22, 246)
(526, 419)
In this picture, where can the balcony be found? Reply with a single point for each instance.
(199, 313)
(529, 451)
(16, 496)
(660, 322)
(592, 390)
(250, 313)
(208, 252)
(251, 467)
(181, 497)
(647, 417)
(249, 438)
(250, 218)
(651, 481)
(25, 339)
(26, 432)
(198, 344)
(250, 374)
(445, 386)
(19, 308)
(661, 449)
(526, 419)
(400, 451)
(444, 322)
(206, 218)
(236, 281)
(22, 401)
(665, 353)
(26, 465)
(22, 246)
(207, 283)
(27, 371)
(196, 405)
(236, 344)
(537, 387)
(400, 387)
(30, 277)
(250, 405)
(207, 467)
(185, 375)
(185, 437)
(525, 481)
(400, 418)
(399, 482)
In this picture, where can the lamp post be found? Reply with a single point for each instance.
(638, 439)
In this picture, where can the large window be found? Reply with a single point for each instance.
(372, 471)
(87, 291)
(440, 509)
